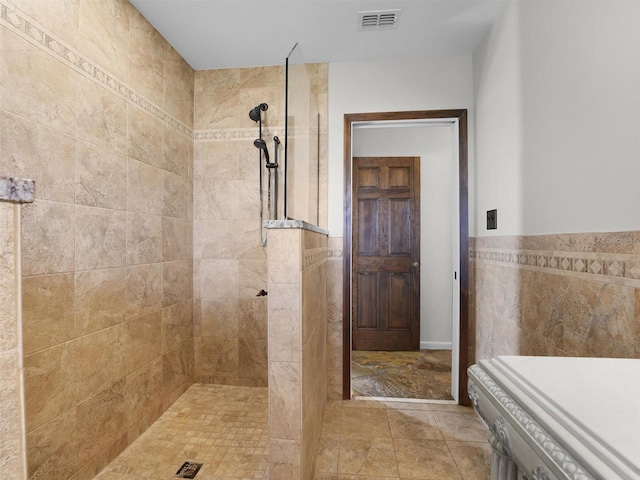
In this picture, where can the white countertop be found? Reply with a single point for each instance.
(593, 404)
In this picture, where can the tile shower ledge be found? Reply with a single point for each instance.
(560, 418)
(294, 224)
(16, 190)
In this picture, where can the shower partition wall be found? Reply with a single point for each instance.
(297, 284)
(297, 265)
(301, 149)
(13, 192)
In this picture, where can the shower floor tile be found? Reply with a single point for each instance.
(222, 427)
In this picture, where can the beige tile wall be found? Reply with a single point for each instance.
(297, 350)
(99, 113)
(566, 295)
(335, 269)
(314, 345)
(319, 79)
(285, 355)
(11, 432)
(230, 266)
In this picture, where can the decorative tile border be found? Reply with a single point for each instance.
(238, 134)
(335, 247)
(27, 28)
(615, 266)
(313, 256)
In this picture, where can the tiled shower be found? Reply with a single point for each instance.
(140, 259)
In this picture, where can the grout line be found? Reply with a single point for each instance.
(393, 443)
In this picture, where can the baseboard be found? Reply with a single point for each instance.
(435, 345)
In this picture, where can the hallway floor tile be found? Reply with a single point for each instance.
(424, 374)
(428, 442)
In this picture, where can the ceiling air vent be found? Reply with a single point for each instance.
(378, 20)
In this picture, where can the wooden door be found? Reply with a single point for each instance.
(386, 253)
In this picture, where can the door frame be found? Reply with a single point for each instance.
(459, 116)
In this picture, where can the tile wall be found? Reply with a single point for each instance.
(335, 268)
(11, 432)
(230, 265)
(319, 80)
(314, 345)
(297, 350)
(97, 108)
(574, 295)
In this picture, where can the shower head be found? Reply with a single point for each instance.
(254, 113)
(262, 145)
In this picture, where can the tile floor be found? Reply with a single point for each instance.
(416, 374)
(222, 427)
(225, 428)
(369, 440)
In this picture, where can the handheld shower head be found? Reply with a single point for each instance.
(262, 145)
(254, 113)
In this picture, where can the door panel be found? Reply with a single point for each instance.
(399, 177)
(369, 177)
(368, 285)
(400, 235)
(399, 313)
(368, 220)
(386, 245)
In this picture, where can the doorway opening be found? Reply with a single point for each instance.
(429, 359)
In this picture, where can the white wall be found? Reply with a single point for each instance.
(498, 128)
(558, 115)
(434, 147)
(359, 87)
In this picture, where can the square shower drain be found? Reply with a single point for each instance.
(188, 470)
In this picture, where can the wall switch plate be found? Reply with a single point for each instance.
(492, 219)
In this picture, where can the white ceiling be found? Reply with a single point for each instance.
(241, 33)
